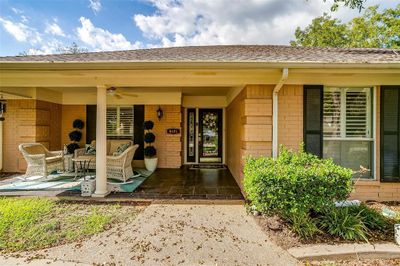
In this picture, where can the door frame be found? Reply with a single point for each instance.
(185, 134)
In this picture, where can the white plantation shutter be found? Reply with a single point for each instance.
(347, 113)
(357, 114)
(120, 121)
(332, 110)
(347, 122)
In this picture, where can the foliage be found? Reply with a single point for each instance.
(303, 225)
(28, 224)
(372, 219)
(359, 4)
(295, 183)
(148, 125)
(72, 49)
(343, 223)
(373, 29)
(75, 135)
(78, 123)
(149, 137)
(150, 151)
(72, 147)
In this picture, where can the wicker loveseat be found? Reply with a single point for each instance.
(41, 161)
(118, 167)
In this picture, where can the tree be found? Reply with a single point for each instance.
(72, 49)
(371, 30)
(359, 4)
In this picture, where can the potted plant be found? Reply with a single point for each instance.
(150, 153)
(75, 136)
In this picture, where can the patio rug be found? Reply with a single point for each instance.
(66, 182)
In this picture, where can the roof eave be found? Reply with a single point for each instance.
(93, 65)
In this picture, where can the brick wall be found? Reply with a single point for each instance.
(29, 121)
(169, 147)
(290, 116)
(249, 127)
(69, 114)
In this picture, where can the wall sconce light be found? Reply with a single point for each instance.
(160, 113)
(2, 108)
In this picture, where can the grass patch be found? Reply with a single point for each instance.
(34, 223)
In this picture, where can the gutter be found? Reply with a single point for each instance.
(278, 86)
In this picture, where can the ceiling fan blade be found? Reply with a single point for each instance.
(129, 94)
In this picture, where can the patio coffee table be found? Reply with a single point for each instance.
(82, 166)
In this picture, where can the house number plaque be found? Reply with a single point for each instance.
(173, 131)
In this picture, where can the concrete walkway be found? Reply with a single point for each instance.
(179, 235)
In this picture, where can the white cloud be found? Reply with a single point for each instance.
(16, 10)
(95, 5)
(199, 22)
(102, 40)
(49, 47)
(21, 32)
(54, 29)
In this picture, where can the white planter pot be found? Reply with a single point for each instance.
(397, 233)
(151, 164)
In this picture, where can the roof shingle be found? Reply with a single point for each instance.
(226, 53)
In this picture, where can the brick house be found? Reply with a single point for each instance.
(342, 103)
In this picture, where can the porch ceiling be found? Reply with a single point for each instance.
(190, 91)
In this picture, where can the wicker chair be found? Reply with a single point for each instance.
(40, 160)
(120, 167)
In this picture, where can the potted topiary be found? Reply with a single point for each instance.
(150, 153)
(75, 136)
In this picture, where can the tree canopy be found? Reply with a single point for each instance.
(359, 4)
(373, 29)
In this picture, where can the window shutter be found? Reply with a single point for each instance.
(390, 100)
(357, 114)
(138, 135)
(313, 103)
(332, 113)
(91, 117)
(119, 122)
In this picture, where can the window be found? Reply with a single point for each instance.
(347, 128)
(120, 122)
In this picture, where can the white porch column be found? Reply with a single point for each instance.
(101, 143)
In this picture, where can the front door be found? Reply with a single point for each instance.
(210, 136)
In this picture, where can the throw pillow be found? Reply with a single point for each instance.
(90, 150)
(121, 148)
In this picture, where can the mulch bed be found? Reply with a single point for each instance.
(279, 231)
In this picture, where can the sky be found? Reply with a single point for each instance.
(45, 26)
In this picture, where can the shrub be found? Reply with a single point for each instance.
(372, 219)
(304, 226)
(75, 135)
(296, 183)
(344, 222)
(79, 124)
(72, 147)
(149, 137)
(150, 151)
(148, 125)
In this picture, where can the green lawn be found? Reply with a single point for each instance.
(34, 223)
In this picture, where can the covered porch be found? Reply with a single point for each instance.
(184, 183)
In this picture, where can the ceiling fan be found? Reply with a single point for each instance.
(118, 93)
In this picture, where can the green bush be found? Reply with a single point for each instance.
(345, 223)
(296, 183)
(372, 219)
(304, 226)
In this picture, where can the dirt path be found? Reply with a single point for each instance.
(179, 235)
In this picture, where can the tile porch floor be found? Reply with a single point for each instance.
(189, 184)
